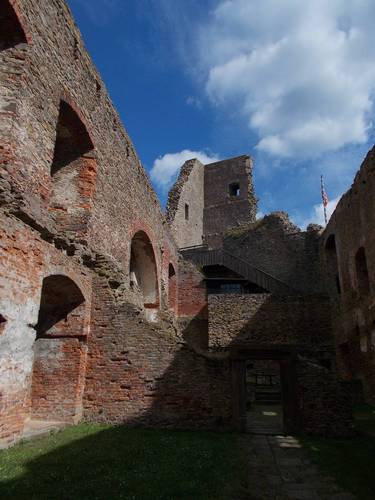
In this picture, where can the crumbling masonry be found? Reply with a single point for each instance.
(113, 311)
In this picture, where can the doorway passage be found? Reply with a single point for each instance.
(264, 397)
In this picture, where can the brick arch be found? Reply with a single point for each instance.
(143, 269)
(12, 27)
(59, 351)
(73, 172)
(57, 270)
(140, 225)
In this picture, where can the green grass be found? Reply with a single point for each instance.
(92, 461)
(349, 461)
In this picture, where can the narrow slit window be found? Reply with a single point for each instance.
(234, 189)
(186, 211)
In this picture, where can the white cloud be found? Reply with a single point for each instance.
(317, 213)
(166, 168)
(301, 73)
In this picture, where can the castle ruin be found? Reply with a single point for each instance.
(113, 311)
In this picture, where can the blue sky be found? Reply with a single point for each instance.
(287, 82)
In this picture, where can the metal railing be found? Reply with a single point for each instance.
(205, 257)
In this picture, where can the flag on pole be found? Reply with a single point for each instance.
(324, 198)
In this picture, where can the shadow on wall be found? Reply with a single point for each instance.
(200, 389)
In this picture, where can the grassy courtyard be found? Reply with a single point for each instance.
(350, 461)
(103, 462)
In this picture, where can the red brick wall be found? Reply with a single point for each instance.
(142, 373)
(58, 381)
(25, 260)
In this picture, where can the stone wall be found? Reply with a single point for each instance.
(278, 247)
(265, 319)
(73, 193)
(192, 305)
(324, 404)
(349, 235)
(185, 205)
(139, 373)
(42, 77)
(25, 260)
(223, 208)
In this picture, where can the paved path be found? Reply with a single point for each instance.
(279, 469)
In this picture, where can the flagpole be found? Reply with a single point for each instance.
(323, 198)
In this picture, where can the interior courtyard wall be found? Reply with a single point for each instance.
(278, 247)
(266, 319)
(51, 67)
(352, 225)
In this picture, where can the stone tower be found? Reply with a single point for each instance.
(207, 200)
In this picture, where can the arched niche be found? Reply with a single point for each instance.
(172, 288)
(59, 351)
(73, 172)
(11, 30)
(143, 270)
(363, 281)
(62, 307)
(333, 279)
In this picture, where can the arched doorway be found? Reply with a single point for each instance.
(143, 272)
(59, 352)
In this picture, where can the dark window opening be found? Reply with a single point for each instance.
(332, 265)
(363, 282)
(11, 31)
(234, 189)
(220, 279)
(2, 323)
(60, 297)
(186, 211)
(72, 139)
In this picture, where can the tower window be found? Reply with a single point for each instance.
(186, 211)
(234, 189)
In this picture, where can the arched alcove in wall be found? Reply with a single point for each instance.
(363, 281)
(73, 172)
(143, 270)
(59, 351)
(11, 30)
(332, 265)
